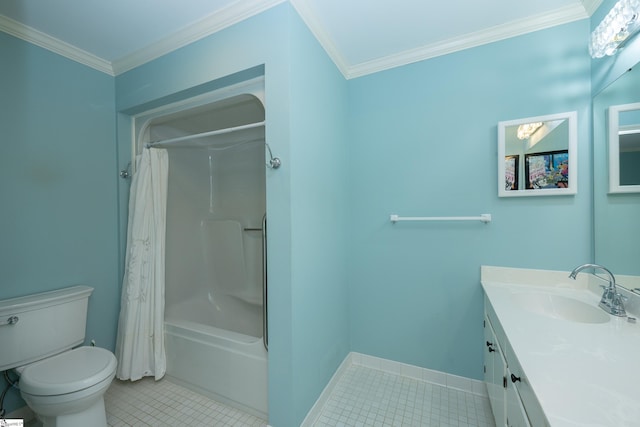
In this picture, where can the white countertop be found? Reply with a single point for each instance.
(583, 374)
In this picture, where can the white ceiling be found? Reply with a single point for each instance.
(361, 36)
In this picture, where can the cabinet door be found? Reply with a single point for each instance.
(516, 415)
(513, 401)
(520, 383)
(495, 374)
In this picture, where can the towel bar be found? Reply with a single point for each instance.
(486, 218)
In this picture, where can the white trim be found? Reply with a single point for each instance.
(511, 29)
(316, 409)
(422, 374)
(309, 18)
(450, 381)
(245, 9)
(217, 21)
(591, 6)
(224, 18)
(614, 149)
(572, 118)
(52, 44)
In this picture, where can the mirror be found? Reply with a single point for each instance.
(537, 156)
(616, 213)
(624, 148)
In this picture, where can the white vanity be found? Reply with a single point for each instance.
(552, 357)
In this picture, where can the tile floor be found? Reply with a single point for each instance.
(369, 397)
(362, 397)
(150, 403)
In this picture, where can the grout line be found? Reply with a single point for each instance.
(367, 390)
(147, 402)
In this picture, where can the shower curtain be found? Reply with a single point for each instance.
(140, 342)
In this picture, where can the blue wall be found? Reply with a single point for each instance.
(423, 142)
(319, 217)
(57, 180)
(416, 140)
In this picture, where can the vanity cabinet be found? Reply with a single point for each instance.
(512, 400)
(495, 373)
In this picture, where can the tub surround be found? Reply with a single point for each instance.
(581, 373)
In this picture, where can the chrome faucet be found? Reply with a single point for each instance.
(612, 300)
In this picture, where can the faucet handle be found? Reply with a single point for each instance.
(621, 297)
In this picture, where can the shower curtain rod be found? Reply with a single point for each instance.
(204, 134)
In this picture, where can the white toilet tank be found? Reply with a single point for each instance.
(36, 326)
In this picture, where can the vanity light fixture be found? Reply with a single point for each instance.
(620, 24)
(527, 129)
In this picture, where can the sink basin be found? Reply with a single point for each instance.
(560, 307)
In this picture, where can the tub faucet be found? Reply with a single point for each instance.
(612, 300)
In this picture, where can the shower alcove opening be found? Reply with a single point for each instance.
(215, 262)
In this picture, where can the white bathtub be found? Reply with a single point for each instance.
(228, 312)
(228, 366)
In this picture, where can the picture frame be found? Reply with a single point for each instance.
(511, 172)
(547, 170)
(538, 135)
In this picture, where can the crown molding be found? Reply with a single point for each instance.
(224, 18)
(309, 18)
(237, 12)
(245, 9)
(591, 5)
(52, 44)
(511, 29)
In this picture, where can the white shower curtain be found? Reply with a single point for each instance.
(140, 343)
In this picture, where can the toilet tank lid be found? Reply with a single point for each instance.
(36, 301)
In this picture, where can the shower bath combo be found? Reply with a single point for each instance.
(216, 335)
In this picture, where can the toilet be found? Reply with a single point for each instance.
(62, 382)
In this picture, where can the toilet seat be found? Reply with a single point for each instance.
(68, 372)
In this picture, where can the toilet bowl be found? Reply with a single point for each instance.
(67, 390)
(62, 383)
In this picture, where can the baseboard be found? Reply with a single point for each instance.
(314, 412)
(454, 382)
(423, 374)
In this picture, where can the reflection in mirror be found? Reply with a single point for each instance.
(624, 148)
(537, 156)
(616, 215)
